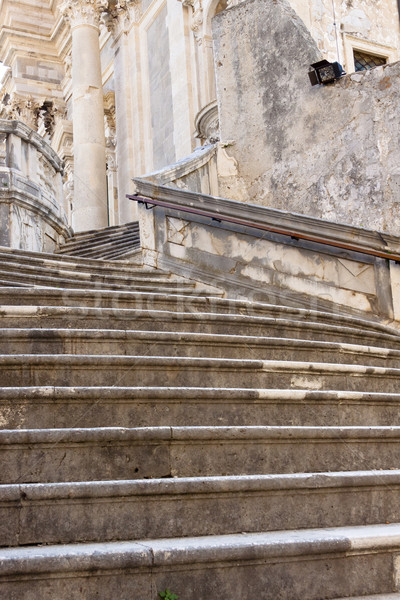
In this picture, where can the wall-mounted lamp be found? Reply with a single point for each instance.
(324, 72)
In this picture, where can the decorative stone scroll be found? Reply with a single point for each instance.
(207, 123)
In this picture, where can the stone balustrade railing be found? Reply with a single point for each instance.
(261, 253)
(31, 196)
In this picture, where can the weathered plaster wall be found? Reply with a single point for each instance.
(329, 151)
(341, 22)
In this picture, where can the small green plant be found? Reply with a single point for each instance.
(168, 595)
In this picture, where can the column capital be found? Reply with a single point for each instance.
(120, 14)
(83, 12)
(22, 108)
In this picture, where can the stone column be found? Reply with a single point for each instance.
(90, 185)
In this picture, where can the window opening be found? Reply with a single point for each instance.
(363, 61)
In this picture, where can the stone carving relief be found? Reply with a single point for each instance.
(197, 18)
(110, 130)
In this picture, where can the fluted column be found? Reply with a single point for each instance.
(90, 185)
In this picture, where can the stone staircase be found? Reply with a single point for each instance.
(109, 243)
(156, 435)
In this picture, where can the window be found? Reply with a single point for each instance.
(364, 61)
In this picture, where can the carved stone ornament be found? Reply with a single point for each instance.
(120, 14)
(48, 115)
(207, 123)
(83, 12)
(188, 3)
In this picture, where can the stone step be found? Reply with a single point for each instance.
(9, 279)
(121, 370)
(110, 228)
(75, 317)
(114, 231)
(101, 235)
(60, 258)
(62, 513)
(135, 256)
(62, 455)
(46, 273)
(21, 262)
(123, 253)
(57, 407)
(76, 244)
(308, 564)
(170, 343)
(129, 241)
(193, 305)
(31, 273)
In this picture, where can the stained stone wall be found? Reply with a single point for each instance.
(328, 151)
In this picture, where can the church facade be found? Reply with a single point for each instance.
(119, 89)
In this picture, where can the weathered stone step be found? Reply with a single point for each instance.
(64, 513)
(110, 228)
(124, 253)
(309, 564)
(193, 305)
(59, 258)
(32, 276)
(170, 343)
(49, 407)
(100, 236)
(167, 320)
(104, 232)
(84, 241)
(21, 262)
(122, 370)
(40, 456)
(28, 273)
(129, 241)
